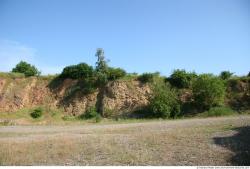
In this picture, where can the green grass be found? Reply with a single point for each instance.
(217, 111)
(11, 75)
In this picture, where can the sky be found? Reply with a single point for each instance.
(206, 36)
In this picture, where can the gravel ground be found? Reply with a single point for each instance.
(208, 141)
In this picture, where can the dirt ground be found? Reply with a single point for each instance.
(208, 141)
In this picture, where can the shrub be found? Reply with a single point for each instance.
(164, 102)
(26, 69)
(90, 113)
(101, 79)
(181, 78)
(225, 75)
(148, 77)
(38, 112)
(208, 91)
(98, 118)
(218, 111)
(81, 70)
(115, 73)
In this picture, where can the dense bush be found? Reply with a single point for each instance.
(218, 111)
(78, 71)
(208, 91)
(164, 103)
(225, 75)
(38, 112)
(181, 78)
(26, 68)
(115, 73)
(147, 77)
(90, 113)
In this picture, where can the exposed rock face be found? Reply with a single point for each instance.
(23, 92)
(116, 98)
(124, 97)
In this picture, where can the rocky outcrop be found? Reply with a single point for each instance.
(122, 97)
(116, 98)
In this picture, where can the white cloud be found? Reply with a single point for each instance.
(12, 52)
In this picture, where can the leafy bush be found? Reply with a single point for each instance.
(208, 91)
(78, 71)
(218, 111)
(90, 113)
(164, 102)
(148, 77)
(115, 73)
(38, 112)
(181, 78)
(101, 79)
(26, 69)
(98, 118)
(225, 75)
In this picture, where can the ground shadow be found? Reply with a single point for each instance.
(239, 144)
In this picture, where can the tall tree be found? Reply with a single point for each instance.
(101, 64)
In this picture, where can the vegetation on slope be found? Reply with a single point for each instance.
(181, 94)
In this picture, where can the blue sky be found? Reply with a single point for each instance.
(137, 35)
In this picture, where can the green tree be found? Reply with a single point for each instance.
(225, 75)
(208, 91)
(115, 73)
(164, 102)
(26, 68)
(78, 71)
(101, 64)
(181, 78)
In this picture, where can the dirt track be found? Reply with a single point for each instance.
(210, 141)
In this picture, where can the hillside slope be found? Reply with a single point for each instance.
(116, 97)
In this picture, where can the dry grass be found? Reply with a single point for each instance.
(180, 142)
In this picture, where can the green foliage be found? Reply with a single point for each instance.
(101, 64)
(218, 111)
(26, 69)
(98, 118)
(38, 112)
(148, 77)
(101, 79)
(181, 78)
(78, 71)
(164, 102)
(11, 75)
(115, 73)
(248, 74)
(90, 113)
(208, 91)
(225, 75)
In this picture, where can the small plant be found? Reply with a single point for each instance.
(219, 111)
(38, 112)
(98, 118)
(147, 77)
(68, 118)
(89, 114)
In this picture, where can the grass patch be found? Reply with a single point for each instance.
(11, 75)
(217, 111)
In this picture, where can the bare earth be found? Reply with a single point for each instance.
(209, 141)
